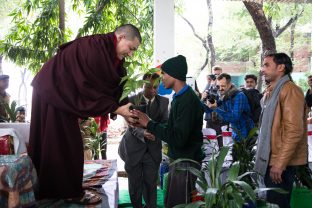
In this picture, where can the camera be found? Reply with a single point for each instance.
(211, 98)
(212, 77)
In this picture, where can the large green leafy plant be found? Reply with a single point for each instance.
(234, 192)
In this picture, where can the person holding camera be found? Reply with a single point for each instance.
(232, 106)
(213, 120)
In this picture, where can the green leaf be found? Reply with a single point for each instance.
(202, 184)
(184, 160)
(238, 200)
(247, 188)
(220, 160)
(124, 78)
(278, 190)
(245, 174)
(210, 197)
(252, 133)
(194, 171)
(233, 171)
(190, 205)
(196, 204)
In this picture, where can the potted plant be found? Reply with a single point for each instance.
(11, 111)
(244, 151)
(92, 139)
(233, 193)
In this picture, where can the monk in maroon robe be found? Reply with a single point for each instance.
(81, 80)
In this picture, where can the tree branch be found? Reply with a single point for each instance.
(209, 35)
(98, 10)
(135, 17)
(205, 63)
(293, 19)
(194, 32)
(262, 25)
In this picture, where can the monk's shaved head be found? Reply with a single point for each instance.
(130, 32)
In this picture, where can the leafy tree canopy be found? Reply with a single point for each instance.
(35, 34)
(243, 42)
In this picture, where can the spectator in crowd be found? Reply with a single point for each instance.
(308, 96)
(232, 106)
(4, 97)
(217, 70)
(139, 148)
(254, 96)
(282, 142)
(250, 81)
(210, 79)
(20, 114)
(182, 132)
(81, 80)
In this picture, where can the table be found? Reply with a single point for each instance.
(17, 177)
(102, 173)
(21, 128)
(99, 176)
(19, 144)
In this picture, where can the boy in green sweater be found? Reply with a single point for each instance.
(182, 132)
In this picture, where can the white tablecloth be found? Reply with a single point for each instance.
(19, 144)
(21, 128)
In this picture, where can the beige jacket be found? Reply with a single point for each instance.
(289, 129)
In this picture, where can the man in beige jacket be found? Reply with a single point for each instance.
(282, 141)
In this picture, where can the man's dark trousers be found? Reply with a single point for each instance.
(282, 200)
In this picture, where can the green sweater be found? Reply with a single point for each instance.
(183, 130)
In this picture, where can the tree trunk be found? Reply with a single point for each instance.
(62, 19)
(22, 90)
(262, 25)
(209, 36)
(265, 31)
(292, 40)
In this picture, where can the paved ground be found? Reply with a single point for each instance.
(112, 153)
(114, 137)
(115, 129)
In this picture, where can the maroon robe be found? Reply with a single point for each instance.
(81, 80)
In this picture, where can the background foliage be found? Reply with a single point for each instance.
(35, 34)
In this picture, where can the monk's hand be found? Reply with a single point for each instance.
(149, 135)
(142, 118)
(276, 174)
(125, 112)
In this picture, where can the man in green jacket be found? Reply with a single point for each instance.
(182, 132)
